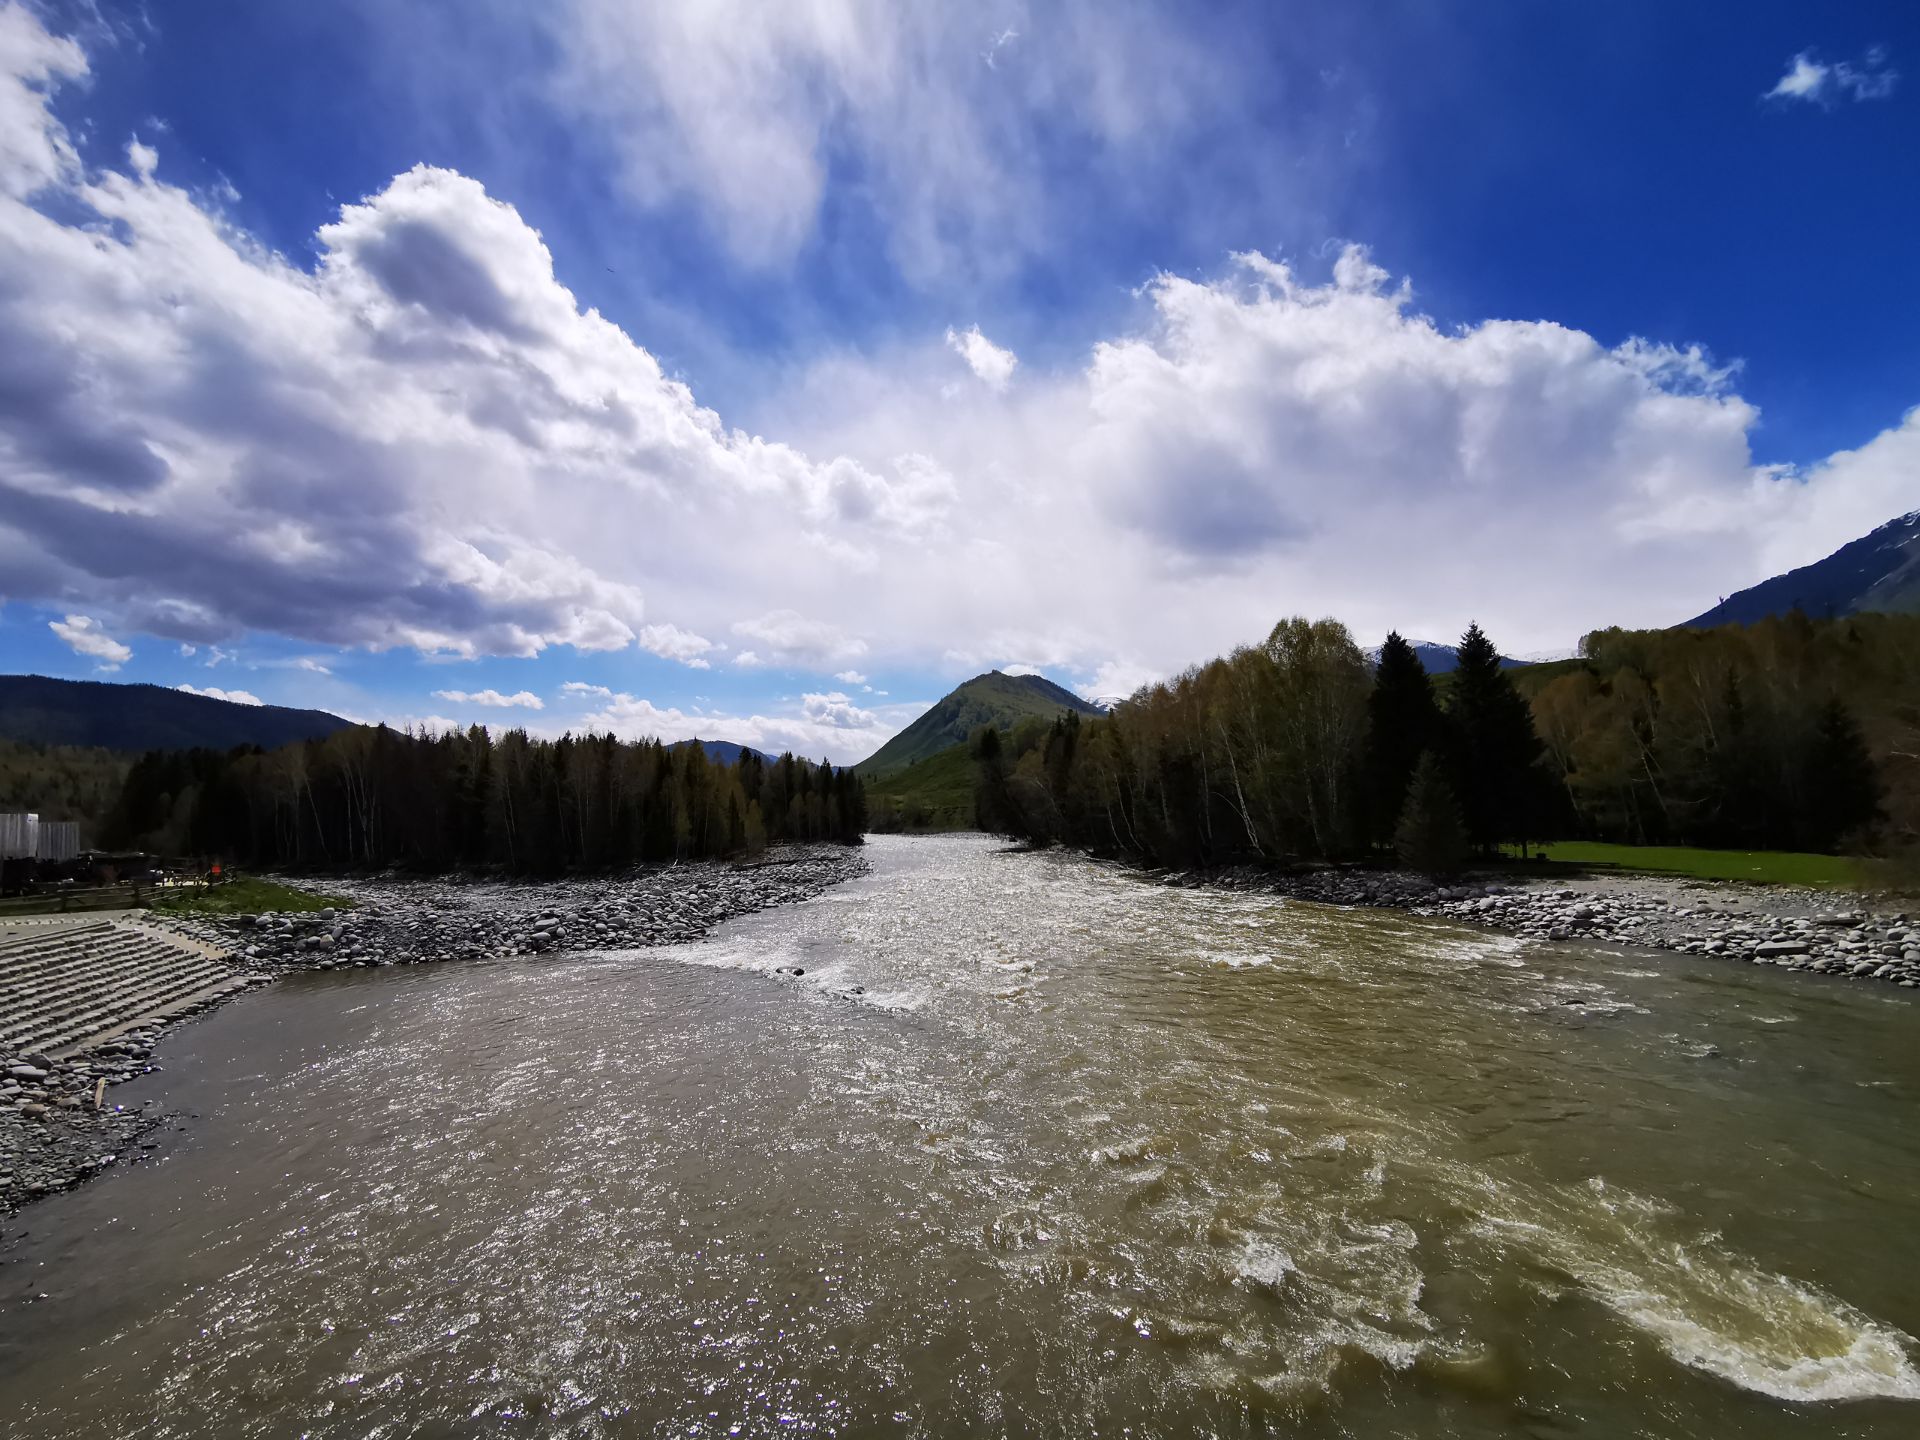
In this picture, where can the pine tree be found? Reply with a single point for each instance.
(1403, 723)
(1496, 747)
(1841, 787)
(1430, 837)
(993, 808)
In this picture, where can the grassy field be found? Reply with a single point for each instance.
(1762, 867)
(249, 896)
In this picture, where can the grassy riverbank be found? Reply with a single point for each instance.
(1760, 867)
(248, 896)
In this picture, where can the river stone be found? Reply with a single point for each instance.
(1776, 949)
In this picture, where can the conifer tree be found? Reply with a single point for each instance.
(1842, 788)
(1403, 723)
(1430, 837)
(1496, 747)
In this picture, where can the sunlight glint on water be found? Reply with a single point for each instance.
(1030, 1140)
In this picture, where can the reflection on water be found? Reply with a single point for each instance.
(1028, 1142)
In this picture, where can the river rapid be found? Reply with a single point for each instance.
(1032, 1147)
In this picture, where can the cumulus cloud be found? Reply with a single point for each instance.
(492, 699)
(1811, 79)
(850, 677)
(836, 710)
(992, 364)
(421, 441)
(85, 636)
(670, 642)
(236, 697)
(826, 726)
(789, 638)
(582, 690)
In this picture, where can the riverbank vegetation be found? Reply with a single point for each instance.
(246, 895)
(1756, 867)
(929, 795)
(1788, 735)
(371, 797)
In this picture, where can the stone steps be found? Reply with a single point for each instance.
(65, 987)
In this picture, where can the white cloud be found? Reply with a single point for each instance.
(825, 727)
(85, 636)
(746, 109)
(992, 364)
(1020, 670)
(583, 690)
(836, 710)
(791, 639)
(1808, 78)
(850, 677)
(670, 642)
(424, 440)
(492, 699)
(237, 697)
(1117, 679)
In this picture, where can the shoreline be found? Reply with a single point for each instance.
(62, 1141)
(1813, 931)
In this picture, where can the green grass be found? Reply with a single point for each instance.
(1761, 867)
(249, 896)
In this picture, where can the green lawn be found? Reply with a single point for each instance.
(1763, 867)
(248, 896)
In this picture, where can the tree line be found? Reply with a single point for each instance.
(1787, 734)
(1302, 748)
(376, 797)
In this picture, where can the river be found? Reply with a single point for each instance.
(1033, 1147)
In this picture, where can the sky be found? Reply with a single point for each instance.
(760, 372)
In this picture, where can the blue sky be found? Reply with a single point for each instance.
(1657, 339)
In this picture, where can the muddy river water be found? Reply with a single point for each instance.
(1031, 1148)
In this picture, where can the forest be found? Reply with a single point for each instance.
(61, 782)
(1788, 734)
(376, 797)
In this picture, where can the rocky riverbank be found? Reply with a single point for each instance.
(1846, 937)
(59, 1125)
(398, 921)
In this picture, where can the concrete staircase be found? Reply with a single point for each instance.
(63, 987)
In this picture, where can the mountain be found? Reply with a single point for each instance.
(1879, 572)
(44, 711)
(724, 752)
(995, 699)
(1441, 659)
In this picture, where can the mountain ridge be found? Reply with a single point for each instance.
(1880, 571)
(994, 698)
(130, 717)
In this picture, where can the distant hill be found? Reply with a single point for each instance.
(42, 711)
(1444, 659)
(1878, 572)
(995, 699)
(723, 752)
